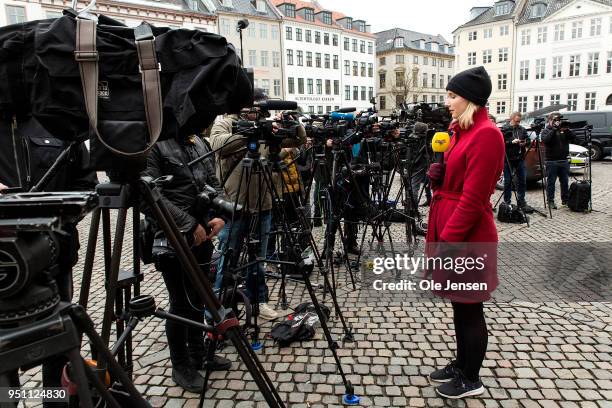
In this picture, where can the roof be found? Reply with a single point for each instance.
(384, 39)
(488, 17)
(552, 7)
(246, 7)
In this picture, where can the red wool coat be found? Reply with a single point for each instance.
(461, 209)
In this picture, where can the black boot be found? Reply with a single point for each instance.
(187, 377)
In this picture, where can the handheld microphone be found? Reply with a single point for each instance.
(276, 104)
(439, 144)
(346, 110)
(342, 116)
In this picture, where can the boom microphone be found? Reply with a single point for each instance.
(346, 110)
(276, 104)
(439, 144)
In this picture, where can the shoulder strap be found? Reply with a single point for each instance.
(86, 55)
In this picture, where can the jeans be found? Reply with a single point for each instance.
(256, 278)
(519, 167)
(554, 170)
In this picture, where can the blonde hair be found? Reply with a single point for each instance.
(466, 119)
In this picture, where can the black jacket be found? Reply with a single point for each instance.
(170, 158)
(556, 142)
(513, 150)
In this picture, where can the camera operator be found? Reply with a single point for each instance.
(186, 344)
(556, 137)
(231, 149)
(35, 155)
(419, 168)
(515, 139)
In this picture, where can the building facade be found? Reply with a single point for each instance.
(564, 55)
(488, 39)
(411, 67)
(328, 58)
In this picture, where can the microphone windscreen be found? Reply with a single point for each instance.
(275, 104)
(346, 110)
(440, 142)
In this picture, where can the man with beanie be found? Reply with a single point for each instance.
(515, 139)
(556, 138)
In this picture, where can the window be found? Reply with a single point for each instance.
(426, 60)
(354, 43)
(328, 109)
(488, 33)
(347, 67)
(559, 32)
(15, 14)
(370, 92)
(347, 92)
(309, 86)
(370, 48)
(433, 80)
(289, 33)
(441, 63)
(327, 18)
(335, 40)
(538, 102)
(355, 68)
(595, 26)
(540, 68)
(538, 10)
(593, 63)
(574, 69)
(572, 101)
(542, 34)
(320, 110)
(555, 99)
(326, 38)
(298, 34)
(263, 31)
(382, 80)
(434, 62)
(290, 85)
(471, 58)
(327, 61)
(370, 70)
(399, 59)
(504, 30)
(319, 86)
(336, 87)
(57, 14)
(309, 14)
(252, 32)
(336, 62)
(424, 80)
(276, 89)
(503, 54)
(399, 78)
(415, 59)
(486, 56)
(609, 63)
(576, 30)
(382, 61)
(502, 8)
(308, 59)
(252, 58)
(557, 67)
(522, 104)
(347, 43)
(274, 32)
(363, 93)
(265, 85)
(362, 70)
(317, 37)
(524, 71)
(308, 36)
(382, 102)
(450, 64)
(355, 93)
(425, 98)
(225, 26)
(502, 82)
(525, 37)
(300, 85)
(300, 58)
(589, 100)
(318, 60)
(290, 10)
(501, 107)
(362, 47)
(472, 35)
(275, 59)
(289, 57)
(311, 109)
(264, 58)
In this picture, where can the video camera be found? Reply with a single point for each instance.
(435, 115)
(262, 129)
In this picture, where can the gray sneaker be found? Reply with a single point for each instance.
(445, 374)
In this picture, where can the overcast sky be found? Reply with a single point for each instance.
(425, 16)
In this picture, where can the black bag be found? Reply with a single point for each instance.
(300, 326)
(579, 196)
(511, 214)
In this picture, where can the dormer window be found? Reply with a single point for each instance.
(398, 42)
(261, 6)
(502, 8)
(309, 14)
(193, 4)
(290, 10)
(228, 3)
(349, 23)
(538, 10)
(359, 25)
(422, 44)
(327, 17)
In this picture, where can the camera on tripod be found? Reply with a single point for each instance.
(260, 128)
(435, 115)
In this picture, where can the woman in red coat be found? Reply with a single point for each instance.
(461, 212)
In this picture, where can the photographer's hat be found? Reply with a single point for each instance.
(473, 84)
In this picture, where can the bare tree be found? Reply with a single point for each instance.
(406, 85)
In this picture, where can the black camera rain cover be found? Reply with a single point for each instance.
(200, 75)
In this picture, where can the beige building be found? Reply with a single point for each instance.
(487, 39)
(411, 67)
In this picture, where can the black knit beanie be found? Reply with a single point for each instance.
(473, 84)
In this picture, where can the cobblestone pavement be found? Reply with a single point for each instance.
(541, 353)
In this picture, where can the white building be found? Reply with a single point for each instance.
(412, 67)
(487, 39)
(328, 58)
(564, 55)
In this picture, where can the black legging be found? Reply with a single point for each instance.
(472, 337)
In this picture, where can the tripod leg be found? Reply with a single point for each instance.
(92, 240)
